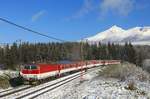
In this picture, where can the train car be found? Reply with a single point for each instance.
(35, 72)
(38, 72)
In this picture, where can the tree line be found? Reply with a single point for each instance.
(11, 56)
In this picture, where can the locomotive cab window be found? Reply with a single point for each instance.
(33, 67)
(30, 67)
(27, 67)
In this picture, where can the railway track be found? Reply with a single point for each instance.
(6, 90)
(35, 91)
(11, 91)
(47, 88)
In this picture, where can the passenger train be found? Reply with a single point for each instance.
(38, 72)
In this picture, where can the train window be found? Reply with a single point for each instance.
(30, 67)
(27, 67)
(33, 67)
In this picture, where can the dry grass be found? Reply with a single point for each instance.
(130, 86)
(125, 71)
(115, 71)
(4, 82)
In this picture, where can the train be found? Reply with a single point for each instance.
(33, 73)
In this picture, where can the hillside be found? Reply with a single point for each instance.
(124, 81)
(115, 34)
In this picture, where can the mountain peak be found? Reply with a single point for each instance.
(118, 35)
(115, 27)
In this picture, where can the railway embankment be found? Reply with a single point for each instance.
(124, 81)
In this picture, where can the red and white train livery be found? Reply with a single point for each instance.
(35, 72)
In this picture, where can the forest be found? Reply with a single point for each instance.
(14, 55)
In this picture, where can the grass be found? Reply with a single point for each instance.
(115, 71)
(124, 71)
(4, 82)
(130, 86)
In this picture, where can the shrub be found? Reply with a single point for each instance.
(115, 71)
(125, 71)
(4, 82)
(130, 86)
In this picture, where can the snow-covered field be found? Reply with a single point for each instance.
(94, 86)
(10, 73)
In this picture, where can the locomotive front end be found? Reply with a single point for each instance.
(30, 73)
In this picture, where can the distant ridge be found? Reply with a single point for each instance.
(115, 34)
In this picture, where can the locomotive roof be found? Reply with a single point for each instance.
(65, 62)
(55, 63)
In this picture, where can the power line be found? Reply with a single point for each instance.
(30, 30)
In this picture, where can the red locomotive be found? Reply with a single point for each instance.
(38, 72)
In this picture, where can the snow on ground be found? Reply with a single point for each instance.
(10, 73)
(94, 86)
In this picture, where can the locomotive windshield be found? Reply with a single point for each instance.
(30, 67)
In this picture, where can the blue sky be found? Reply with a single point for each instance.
(69, 19)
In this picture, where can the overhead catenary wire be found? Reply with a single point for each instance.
(30, 30)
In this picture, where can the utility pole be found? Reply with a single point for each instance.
(81, 49)
(81, 52)
(20, 52)
(86, 54)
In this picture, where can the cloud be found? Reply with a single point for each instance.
(107, 7)
(121, 7)
(84, 10)
(38, 15)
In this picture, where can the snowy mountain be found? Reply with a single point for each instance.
(137, 35)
